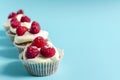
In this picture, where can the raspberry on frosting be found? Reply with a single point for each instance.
(25, 19)
(20, 11)
(12, 14)
(47, 51)
(32, 52)
(39, 42)
(35, 27)
(15, 23)
(39, 45)
(21, 30)
(13, 19)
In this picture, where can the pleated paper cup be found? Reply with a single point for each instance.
(20, 47)
(11, 36)
(42, 68)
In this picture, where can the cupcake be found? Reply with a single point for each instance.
(15, 23)
(25, 36)
(18, 15)
(41, 58)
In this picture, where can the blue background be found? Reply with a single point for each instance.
(88, 31)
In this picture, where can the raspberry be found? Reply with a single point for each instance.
(32, 52)
(47, 51)
(12, 14)
(20, 11)
(25, 19)
(21, 30)
(15, 23)
(39, 42)
(13, 19)
(35, 27)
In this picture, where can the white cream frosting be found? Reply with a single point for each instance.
(7, 23)
(26, 24)
(30, 37)
(19, 16)
(40, 58)
(13, 30)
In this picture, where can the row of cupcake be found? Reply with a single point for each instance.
(38, 55)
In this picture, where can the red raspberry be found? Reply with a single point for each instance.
(20, 11)
(39, 42)
(47, 51)
(12, 14)
(13, 19)
(32, 52)
(35, 27)
(21, 30)
(25, 19)
(15, 23)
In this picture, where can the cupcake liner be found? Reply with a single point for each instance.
(20, 48)
(11, 36)
(42, 68)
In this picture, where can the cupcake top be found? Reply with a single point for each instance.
(25, 34)
(40, 50)
(24, 21)
(17, 14)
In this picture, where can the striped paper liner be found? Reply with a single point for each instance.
(20, 48)
(42, 68)
(11, 36)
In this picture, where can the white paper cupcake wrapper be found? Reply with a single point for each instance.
(11, 36)
(20, 48)
(42, 68)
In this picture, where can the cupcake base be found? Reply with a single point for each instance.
(11, 36)
(42, 68)
(22, 46)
